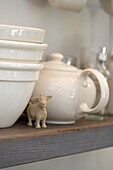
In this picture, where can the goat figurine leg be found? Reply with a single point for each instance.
(30, 123)
(44, 124)
(37, 123)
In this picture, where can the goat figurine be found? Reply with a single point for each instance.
(37, 111)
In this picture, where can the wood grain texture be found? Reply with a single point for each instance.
(21, 144)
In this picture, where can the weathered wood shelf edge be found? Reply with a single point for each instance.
(21, 144)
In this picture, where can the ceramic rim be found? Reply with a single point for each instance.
(23, 45)
(20, 66)
(20, 33)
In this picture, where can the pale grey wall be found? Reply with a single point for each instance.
(66, 31)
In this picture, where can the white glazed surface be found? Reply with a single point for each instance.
(66, 94)
(72, 92)
(104, 90)
(21, 51)
(73, 5)
(16, 87)
(18, 33)
(14, 97)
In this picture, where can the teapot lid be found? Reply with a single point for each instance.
(56, 64)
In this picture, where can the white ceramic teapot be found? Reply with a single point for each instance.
(72, 91)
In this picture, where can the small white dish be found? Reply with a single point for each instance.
(17, 82)
(21, 51)
(19, 33)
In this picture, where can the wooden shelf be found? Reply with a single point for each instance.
(21, 144)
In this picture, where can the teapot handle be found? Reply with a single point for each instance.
(104, 90)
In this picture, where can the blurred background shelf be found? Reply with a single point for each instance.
(21, 144)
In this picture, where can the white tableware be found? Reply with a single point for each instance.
(17, 81)
(19, 33)
(21, 51)
(72, 91)
(73, 5)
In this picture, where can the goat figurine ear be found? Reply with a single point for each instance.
(48, 97)
(34, 99)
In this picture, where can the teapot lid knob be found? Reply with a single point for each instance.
(57, 56)
(56, 64)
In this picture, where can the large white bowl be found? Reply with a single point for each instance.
(18, 33)
(17, 82)
(21, 51)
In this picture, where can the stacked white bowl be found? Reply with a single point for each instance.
(21, 49)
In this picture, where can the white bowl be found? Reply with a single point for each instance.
(21, 51)
(18, 33)
(17, 82)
